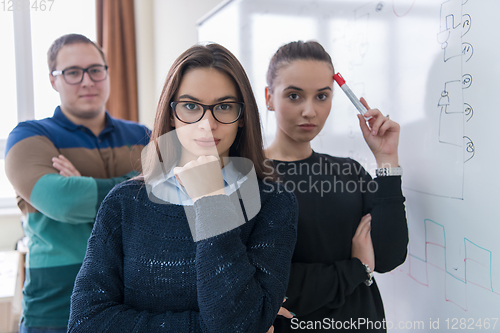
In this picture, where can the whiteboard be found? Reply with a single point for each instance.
(433, 66)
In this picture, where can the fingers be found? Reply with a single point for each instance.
(364, 226)
(364, 126)
(377, 120)
(364, 102)
(176, 173)
(199, 161)
(64, 173)
(64, 166)
(61, 161)
(285, 313)
(384, 127)
(366, 218)
(379, 123)
(389, 125)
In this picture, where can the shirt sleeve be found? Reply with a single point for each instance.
(28, 165)
(389, 228)
(326, 285)
(316, 285)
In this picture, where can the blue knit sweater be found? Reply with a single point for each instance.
(144, 273)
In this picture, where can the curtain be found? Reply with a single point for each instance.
(116, 35)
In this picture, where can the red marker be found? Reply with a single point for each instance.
(341, 82)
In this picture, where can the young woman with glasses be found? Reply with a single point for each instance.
(191, 246)
(349, 224)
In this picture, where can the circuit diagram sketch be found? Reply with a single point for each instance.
(355, 39)
(454, 111)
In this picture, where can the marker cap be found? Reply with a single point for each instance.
(339, 79)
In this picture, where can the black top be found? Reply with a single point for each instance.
(334, 194)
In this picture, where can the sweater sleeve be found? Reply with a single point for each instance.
(241, 287)
(389, 227)
(28, 165)
(327, 285)
(97, 302)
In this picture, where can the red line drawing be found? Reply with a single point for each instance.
(401, 15)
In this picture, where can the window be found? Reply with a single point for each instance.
(28, 68)
(9, 101)
(65, 17)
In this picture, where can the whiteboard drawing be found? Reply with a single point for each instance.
(476, 269)
(453, 26)
(468, 111)
(449, 144)
(469, 148)
(401, 10)
(451, 114)
(452, 110)
(478, 265)
(414, 57)
(356, 38)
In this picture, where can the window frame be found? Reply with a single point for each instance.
(24, 86)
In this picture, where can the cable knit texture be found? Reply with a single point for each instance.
(144, 273)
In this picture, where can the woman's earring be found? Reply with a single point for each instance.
(269, 108)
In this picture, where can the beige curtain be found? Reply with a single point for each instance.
(116, 35)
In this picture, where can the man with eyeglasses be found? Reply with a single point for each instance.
(62, 168)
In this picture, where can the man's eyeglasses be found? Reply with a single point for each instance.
(74, 75)
(191, 112)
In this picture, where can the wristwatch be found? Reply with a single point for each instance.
(383, 172)
(369, 272)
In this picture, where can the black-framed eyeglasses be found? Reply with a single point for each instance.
(74, 75)
(192, 112)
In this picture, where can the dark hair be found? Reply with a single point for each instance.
(248, 141)
(299, 50)
(67, 40)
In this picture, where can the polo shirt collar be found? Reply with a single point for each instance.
(62, 120)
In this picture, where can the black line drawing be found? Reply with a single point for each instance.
(454, 111)
(444, 101)
(468, 111)
(466, 22)
(452, 25)
(470, 150)
(466, 81)
(357, 41)
(467, 50)
(451, 112)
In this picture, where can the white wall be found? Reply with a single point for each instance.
(165, 29)
(10, 230)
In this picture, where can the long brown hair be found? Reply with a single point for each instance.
(248, 141)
